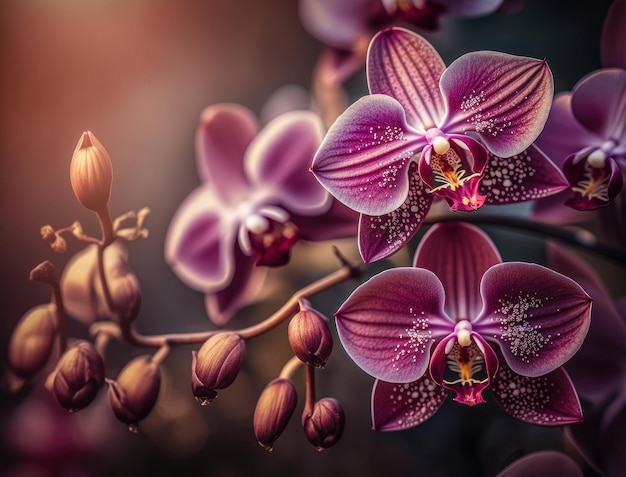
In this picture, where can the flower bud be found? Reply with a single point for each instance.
(324, 425)
(273, 411)
(309, 336)
(82, 289)
(78, 376)
(91, 173)
(135, 392)
(32, 340)
(216, 365)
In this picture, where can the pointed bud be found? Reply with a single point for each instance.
(32, 340)
(135, 392)
(273, 411)
(78, 376)
(324, 425)
(91, 173)
(309, 336)
(82, 289)
(216, 365)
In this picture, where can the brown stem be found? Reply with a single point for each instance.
(290, 368)
(45, 272)
(309, 400)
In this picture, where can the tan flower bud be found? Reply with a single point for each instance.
(324, 425)
(32, 340)
(135, 392)
(82, 289)
(91, 173)
(78, 376)
(273, 411)
(216, 365)
(309, 336)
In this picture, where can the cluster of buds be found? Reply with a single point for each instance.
(216, 365)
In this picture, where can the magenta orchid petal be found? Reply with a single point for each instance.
(382, 236)
(389, 323)
(562, 134)
(339, 222)
(539, 317)
(599, 103)
(201, 240)
(459, 254)
(365, 157)
(504, 98)
(224, 133)
(613, 46)
(406, 67)
(278, 159)
(399, 406)
(222, 304)
(543, 464)
(528, 175)
(548, 400)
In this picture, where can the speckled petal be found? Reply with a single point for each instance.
(242, 290)
(543, 464)
(278, 160)
(201, 240)
(224, 133)
(613, 46)
(399, 406)
(548, 400)
(526, 176)
(406, 67)
(365, 156)
(459, 254)
(382, 236)
(599, 103)
(389, 323)
(539, 317)
(563, 134)
(504, 98)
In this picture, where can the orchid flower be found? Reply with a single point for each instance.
(586, 130)
(461, 297)
(256, 201)
(390, 153)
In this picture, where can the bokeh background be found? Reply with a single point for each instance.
(138, 73)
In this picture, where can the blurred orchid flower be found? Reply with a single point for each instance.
(543, 464)
(390, 153)
(256, 201)
(461, 296)
(585, 134)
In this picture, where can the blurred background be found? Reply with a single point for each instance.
(137, 73)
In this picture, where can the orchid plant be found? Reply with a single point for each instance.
(390, 154)
(460, 321)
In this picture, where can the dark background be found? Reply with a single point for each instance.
(137, 73)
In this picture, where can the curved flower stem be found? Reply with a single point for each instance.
(129, 334)
(44, 272)
(309, 400)
(290, 368)
(580, 239)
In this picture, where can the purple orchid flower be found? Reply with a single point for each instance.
(460, 296)
(256, 201)
(391, 152)
(586, 130)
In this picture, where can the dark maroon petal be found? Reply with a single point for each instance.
(365, 156)
(614, 36)
(399, 406)
(599, 103)
(382, 236)
(548, 400)
(539, 317)
(592, 187)
(504, 98)
(389, 323)
(459, 254)
(406, 67)
(543, 464)
(526, 176)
